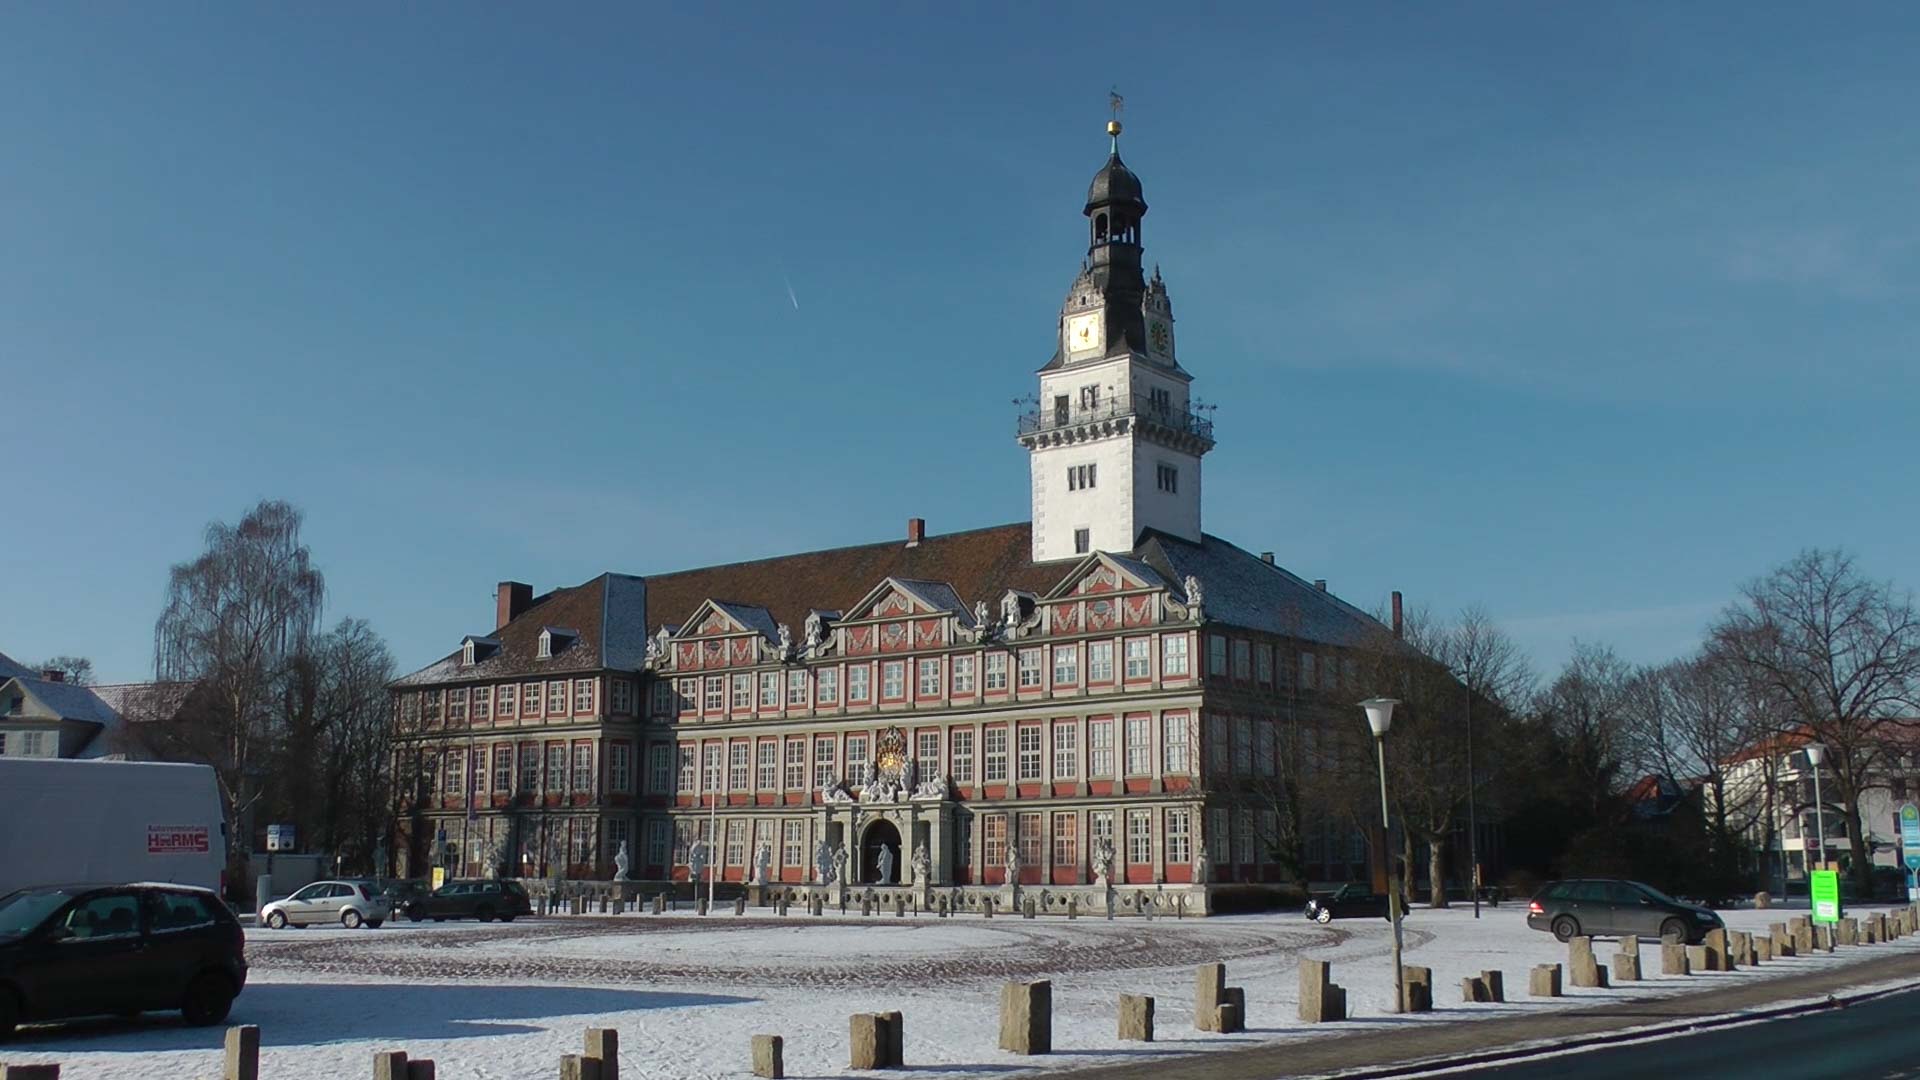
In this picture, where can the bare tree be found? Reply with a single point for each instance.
(1843, 655)
(74, 669)
(1588, 706)
(237, 621)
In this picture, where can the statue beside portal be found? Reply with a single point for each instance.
(1202, 866)
(921, 866)
(1103, 862)
(762, 859)
(621, 863)
(885, 859)
(697, 859)
(823, 862)
(1013, 863)
(840, 863)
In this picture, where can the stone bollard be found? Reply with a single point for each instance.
(603, 1046)
(578, 1067)
(604, 901)
(1233, 1010)
(420, 1069)
(1802, 937)
(866, 905)
(1073, 907)
(1740, 949)
(1699, 958)
(699, 905)
(1209, 991)
(1496, 984)
(1544, 980)
(1626, 967)
(390, 1065)
(659, 903)
(1849, 931)
(1586, 970)
(899, 906)
(619, 905)
(579, 905)
(30, 1072)
(740, 905)
(1718, 956)
(1673, 957)
(1136, 1018)
(1026, 910)
(1823, 938)
(1320, 1000)
(896, 1026)
(1762, 949)
(243, 1054)
(866, 1041)
(1416, 989)
(1473, 990)
(987, 905)
(1026, 1017)
(769, 1057)
(1763, 900)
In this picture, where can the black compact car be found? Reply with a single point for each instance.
(1610, 907)
(401, 893)
(483, 900)
(1347, 902)
(103, 950)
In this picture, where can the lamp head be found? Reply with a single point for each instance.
(1816, 754)
(1379, 714)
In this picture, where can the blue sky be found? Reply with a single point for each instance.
(1582, 313)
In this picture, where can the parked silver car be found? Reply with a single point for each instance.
(350, 903)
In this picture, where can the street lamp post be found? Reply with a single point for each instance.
(1816, 754)
(1473, 825)
(1380, 718)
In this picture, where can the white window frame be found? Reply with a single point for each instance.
(893, 680)
(769, 689)
(962, 675)
(960, 749)
(1032, 675)
(797, 689)
(1099, 662)
(994, 756)
(1174, 659)
(1031, 757)
(1139, 653)
(1100, 748)
(1175, 745)
(929, 685)
(826, 686)
(996, 671)
(1066, 750)
(767, 768)
(1066, 665)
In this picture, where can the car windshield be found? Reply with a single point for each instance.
(1655, 893)
(24, 910)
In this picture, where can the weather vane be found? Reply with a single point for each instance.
(1116, 104)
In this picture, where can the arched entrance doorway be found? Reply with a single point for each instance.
(879, 835)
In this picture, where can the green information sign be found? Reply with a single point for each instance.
(1826, 896)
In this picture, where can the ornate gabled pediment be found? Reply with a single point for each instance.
(1104, 573)
(905, 598)
(723, 618)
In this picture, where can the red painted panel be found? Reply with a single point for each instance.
(1064, 788)
(796, 798)
(1065, 875)
(739, 800)
(1099, 787)
(683, 800)
(1139, 785)
(1030, 791)
(994, 875)
(1181, 874)
(995, 791)
(1176, 784)
(766, 798)
(1030, 875)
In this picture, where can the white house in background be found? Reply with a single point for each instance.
(44, 716)
(1784, 757)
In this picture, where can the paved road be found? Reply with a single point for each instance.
(1876, 1040)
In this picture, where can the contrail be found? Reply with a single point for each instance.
(790, 296)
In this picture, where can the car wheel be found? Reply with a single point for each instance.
(277, 920)
(1674, 928)
(1565, 929)
(483, 913)
(506, 918)
(208, 1000)
(351, 919)
(1323, 916)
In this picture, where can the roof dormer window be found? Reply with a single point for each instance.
(553, 639)
(466, 654)
(475, 648)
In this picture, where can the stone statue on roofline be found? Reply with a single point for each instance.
(660, 649)
(816, 630)
(1010, 613)
(786, 642)
(1194, 598)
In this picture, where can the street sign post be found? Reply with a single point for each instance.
(1826, 896)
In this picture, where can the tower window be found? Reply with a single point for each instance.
(1160, 401)
(1061, 405)
(1089, 398)
(1082, 541)
(1167, 478)
(1081, 477)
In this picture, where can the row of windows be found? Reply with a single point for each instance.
(1114, 747)
(958, 676)
(1254, 662)
(557, 697)
(553, 768)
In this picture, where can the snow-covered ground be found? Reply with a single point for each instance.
(686, 993)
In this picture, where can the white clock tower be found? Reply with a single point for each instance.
(1115, 443)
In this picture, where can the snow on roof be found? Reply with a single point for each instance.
(1246, 591)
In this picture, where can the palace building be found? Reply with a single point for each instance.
(1098, 696)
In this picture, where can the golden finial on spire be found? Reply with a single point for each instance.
(1116, 104)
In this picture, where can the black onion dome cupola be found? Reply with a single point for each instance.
(1115, 205)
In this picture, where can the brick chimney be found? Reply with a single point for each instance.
(1267, 557)
(1398, 625)
(510, 599)
(1320, 583)
(53, 674)
(916, 531)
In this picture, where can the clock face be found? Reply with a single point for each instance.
(1158, 334)
(1086, 331)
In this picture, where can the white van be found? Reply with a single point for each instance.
(73, 822)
